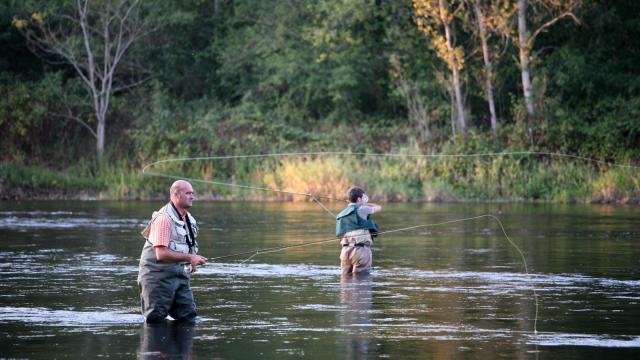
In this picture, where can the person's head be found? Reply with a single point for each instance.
(354, 193)
(182, 194)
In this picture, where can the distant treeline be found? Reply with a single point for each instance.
(150, 80)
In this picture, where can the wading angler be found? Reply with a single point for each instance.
(355, 228)
(168, 259)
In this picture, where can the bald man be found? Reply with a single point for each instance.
(169, 256)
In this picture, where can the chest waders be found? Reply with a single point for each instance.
(356, 238)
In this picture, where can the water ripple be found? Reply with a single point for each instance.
(44, 316)
(61, 220)
(561, 339)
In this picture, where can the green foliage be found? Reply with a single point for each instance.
(35, 124)
(593, 96)
(249, 77)
(31, 177)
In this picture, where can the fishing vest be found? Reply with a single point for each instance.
(178, 234)
(349, 220)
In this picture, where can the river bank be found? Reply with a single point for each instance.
(42, 194)
(498, 179)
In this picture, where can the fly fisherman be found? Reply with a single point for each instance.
(354, 226)
(168, 259)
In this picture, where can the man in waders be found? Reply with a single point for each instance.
(168, 259)
(354, 226)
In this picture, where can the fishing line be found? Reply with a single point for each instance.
(336, 153)
(324, 207)
(255, 253)
(316, 198)
(202, 181)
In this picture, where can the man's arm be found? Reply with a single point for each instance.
(164, 254)
(367, 209)
(374, 207)
(159, 237)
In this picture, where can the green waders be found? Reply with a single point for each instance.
(165, 290)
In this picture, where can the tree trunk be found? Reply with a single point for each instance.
(523, 44)
(100, 136)
(101, 114)
(455, 72)
(453, 110)
(459, 106)
(453, 114)
(488, 70)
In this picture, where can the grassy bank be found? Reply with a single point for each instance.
(497, 178)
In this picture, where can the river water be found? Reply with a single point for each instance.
(68, 284)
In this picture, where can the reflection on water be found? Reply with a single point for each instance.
(68, 276)
(355, 315)
(166, 340)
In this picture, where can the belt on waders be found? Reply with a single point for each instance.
(358, 245)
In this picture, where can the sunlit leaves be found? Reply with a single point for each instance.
(431, 17)
(19, 23)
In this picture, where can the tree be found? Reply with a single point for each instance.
(479, 8)
(435, 19)
(542, 14)
(416, 108)
(93, 37)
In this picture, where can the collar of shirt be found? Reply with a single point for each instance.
(181, 212)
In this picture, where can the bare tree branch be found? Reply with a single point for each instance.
(130, 85)
(94, 39)
(550, 23)
(78, 120)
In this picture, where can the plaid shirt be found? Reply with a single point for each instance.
(160, 231)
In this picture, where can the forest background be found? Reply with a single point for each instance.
(91, 91)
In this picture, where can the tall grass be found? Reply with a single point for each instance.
(510, 178)
(500, 178)
(621, 185)
(36, 177)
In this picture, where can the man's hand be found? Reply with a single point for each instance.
(196, 260)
